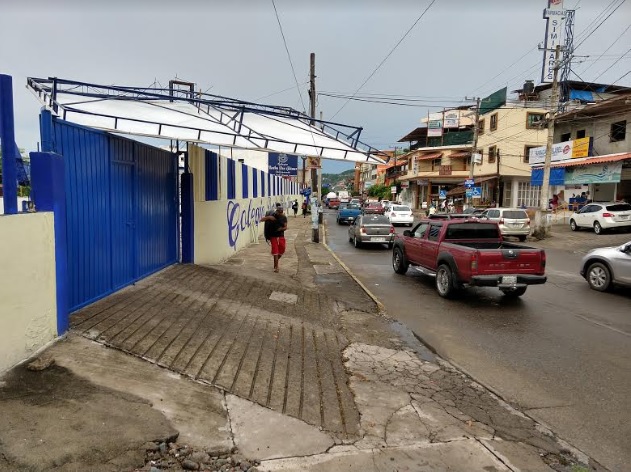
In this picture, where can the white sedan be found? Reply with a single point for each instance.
(601, 216)
(400, 214)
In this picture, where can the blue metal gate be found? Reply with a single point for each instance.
(121, 198)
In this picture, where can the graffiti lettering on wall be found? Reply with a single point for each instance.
(240, 219)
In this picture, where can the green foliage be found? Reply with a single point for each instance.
(380, 191)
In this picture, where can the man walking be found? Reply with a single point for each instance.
(276, 235)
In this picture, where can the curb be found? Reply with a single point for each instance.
(380, 307)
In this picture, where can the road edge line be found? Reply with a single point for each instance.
(380, 306)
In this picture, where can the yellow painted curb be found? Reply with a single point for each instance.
(380, 306)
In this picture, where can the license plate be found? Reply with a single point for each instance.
(379, 240)
(624, 217)
(509, 280)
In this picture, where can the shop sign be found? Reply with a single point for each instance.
(561, 151)
(422, 182)
(444, 170)
(435, 128)
(607, 172)
(405, 184)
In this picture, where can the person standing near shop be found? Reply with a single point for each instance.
(276, 235)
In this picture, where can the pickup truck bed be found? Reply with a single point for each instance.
(460, 253)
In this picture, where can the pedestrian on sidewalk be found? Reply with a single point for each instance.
(294, 206)
(304, 209)
(275, 227)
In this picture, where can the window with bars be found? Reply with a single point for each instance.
(527, 195)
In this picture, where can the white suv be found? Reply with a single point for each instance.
(512, 221)
(601, 216)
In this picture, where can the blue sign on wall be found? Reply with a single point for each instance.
(282, 164)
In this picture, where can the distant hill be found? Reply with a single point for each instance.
(331, 180)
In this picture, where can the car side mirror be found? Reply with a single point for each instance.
(407, 233)
(627, 248)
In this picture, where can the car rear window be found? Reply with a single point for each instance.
(619, 207)
(352, 206)
(376, 220)
(401, 208)
(472, 231)
(516, 214)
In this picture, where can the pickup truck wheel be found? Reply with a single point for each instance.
(598, 277)
(445, 281)
(514, 293)
(399, 264)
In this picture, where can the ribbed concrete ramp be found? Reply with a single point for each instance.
(277, 345)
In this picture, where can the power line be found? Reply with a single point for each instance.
(620, 78)
(610, 46)
(599, 25)
(613, 64)
(387, 56)
(280, 91)
(304, 109)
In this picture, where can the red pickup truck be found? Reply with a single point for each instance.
(468, 252)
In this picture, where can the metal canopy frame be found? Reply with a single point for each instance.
(203, 118)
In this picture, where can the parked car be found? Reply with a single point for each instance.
(348, 214)
(473, 211)
(601, 216)
(371, 229)
(374, 208)
(468, 252)
(607, 266)
(400, 214)
(512, 221)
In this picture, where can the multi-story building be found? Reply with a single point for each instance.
(507, 130)
(603, 170)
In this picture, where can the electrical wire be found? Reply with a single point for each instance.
(387, 56)
(280, 91)
(610, 46)
(607, 69)
(293, 71)
(620, 78)
(599, 24)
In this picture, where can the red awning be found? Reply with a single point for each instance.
(458, 155)
(592, 160)
(433, 155)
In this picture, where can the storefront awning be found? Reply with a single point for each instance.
(188, 116)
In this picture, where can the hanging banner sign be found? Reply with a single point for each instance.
(452, 119)
(282, 164)
(555, 25)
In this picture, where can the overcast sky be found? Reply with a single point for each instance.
(235, 48)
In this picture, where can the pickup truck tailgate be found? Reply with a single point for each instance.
(509, 261)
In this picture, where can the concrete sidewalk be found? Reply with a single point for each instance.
(235, 367)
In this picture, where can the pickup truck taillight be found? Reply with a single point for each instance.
(474, 262)
(608, 215)
(543, 259)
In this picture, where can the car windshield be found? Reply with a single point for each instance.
(401, 208)
(619, 207)
(472, 231)
(376, 220)
(516, 214)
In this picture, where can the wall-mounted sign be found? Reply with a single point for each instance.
(477, 158)
(282, 164)
(606, 172)
(555, 26)
(435, 128)
(561, 151)
(313, 163)
(393, 189)
(452, 119)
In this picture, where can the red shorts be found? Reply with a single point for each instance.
(278, 246)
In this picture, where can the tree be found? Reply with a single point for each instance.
(379, 191)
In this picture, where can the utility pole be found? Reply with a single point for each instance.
(475, 141)
(541, 216)
(316, 216)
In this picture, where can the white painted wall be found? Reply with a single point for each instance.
(224, 227)
(28, 307)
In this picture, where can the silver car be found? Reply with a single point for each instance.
(607, 266)
(371, 229)
(512, 221)
(602, 216)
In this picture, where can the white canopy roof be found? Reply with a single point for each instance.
(201, 118)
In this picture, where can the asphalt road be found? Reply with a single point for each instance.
(562, 352)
